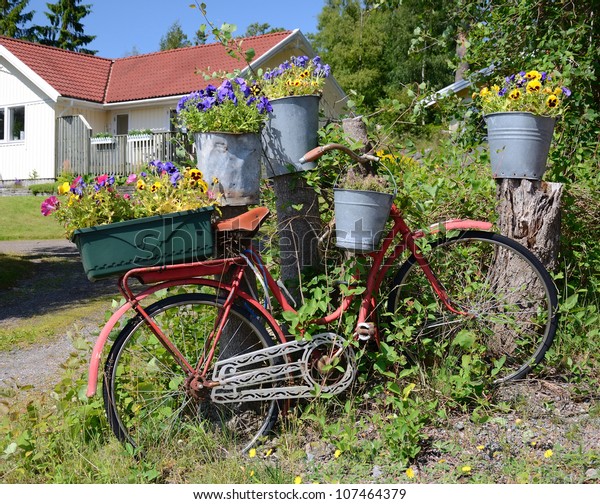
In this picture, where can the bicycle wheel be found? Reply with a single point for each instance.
(508, 295)
(147, 395)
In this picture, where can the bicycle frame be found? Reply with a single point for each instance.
(162, 277)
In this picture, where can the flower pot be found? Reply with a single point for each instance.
(102, 140)
(360, 218)
(519, 143)
(142, 137)
(290, 132)
(113, 249)
(230, 163)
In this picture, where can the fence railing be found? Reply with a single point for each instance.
(124, 154)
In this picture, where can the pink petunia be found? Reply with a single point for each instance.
(102, 179)
(75, 182)
(132, 178)
(49, 205)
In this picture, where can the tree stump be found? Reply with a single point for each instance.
(529, 212)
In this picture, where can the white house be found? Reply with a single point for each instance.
(52, 101)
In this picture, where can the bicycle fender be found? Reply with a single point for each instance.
(455, 224)
(94, 365)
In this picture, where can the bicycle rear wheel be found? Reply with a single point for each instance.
(147, 396)
(508, 295)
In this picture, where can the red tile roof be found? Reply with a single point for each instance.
(165, 73)
(72, 74)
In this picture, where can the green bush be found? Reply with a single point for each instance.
(47, 188)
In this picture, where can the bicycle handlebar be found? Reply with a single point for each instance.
(317, 152)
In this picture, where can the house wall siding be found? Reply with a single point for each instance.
(35, 154)
(153, 118)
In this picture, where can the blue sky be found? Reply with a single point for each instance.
(121, 25)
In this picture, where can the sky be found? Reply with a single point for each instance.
(121, 26)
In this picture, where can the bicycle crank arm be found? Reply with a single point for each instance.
(327, 366)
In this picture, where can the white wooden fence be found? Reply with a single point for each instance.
(80, 154)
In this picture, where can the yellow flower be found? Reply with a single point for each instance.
(410, 474)
(64, 188)
(194, 173)
(252, 473)
(466, 469)
(337, 453)
(480, 447)
(484, 92)
(155, 187)
(297, 480)
(515, 94)
(252, 453)
(268, 452)
(215, 180)
(534, 86)
(547, 90)
(533, 75)
(557, 91)
(548, 453)
(552, 101)
(495, 88)
(141, 185)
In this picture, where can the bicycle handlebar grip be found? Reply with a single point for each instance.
(312, 155)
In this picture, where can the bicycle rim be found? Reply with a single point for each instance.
(508, 295)
(145, 394)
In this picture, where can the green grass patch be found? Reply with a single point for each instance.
(21, 219)
(41, 329)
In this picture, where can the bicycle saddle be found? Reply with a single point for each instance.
(249, 221)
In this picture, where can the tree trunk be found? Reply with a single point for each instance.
(529, 212)
(298, 226)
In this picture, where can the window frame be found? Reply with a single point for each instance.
(8, 123)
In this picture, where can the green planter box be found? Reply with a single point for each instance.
(113, 249)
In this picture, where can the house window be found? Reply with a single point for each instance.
(17, 123)
(122, 124)
(12, 123)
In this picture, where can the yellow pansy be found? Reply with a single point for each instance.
(515, 94)
(552, 101)
(64, 188)
(534, 86)
(141, 185)
(533, 75)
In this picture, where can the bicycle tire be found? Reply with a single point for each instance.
(511, 299)
(144, 395)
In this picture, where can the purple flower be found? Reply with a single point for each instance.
(264, 105)
(566, 91)
(175, 177)
(502, 92)
(49, 205)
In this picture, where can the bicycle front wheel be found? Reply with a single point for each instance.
(147, 393)
(508, 299)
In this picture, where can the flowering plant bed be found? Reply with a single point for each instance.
(236, 106)
(113, 249)
(297, 76)
(155, 217)
(540, 93)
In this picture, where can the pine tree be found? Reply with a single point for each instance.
(174, 39)
(13, 19)
(66, 29)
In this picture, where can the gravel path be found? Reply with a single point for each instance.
(57, 282)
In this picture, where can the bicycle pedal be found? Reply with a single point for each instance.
(365, 331)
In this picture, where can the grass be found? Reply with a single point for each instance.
(21, 219)
(12, 269)
(44, 328)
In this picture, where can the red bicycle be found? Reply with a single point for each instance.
(210, 356)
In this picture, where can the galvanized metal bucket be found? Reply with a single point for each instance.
(230, 163)
(290, 132)
(519, 143)
(360, 218)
